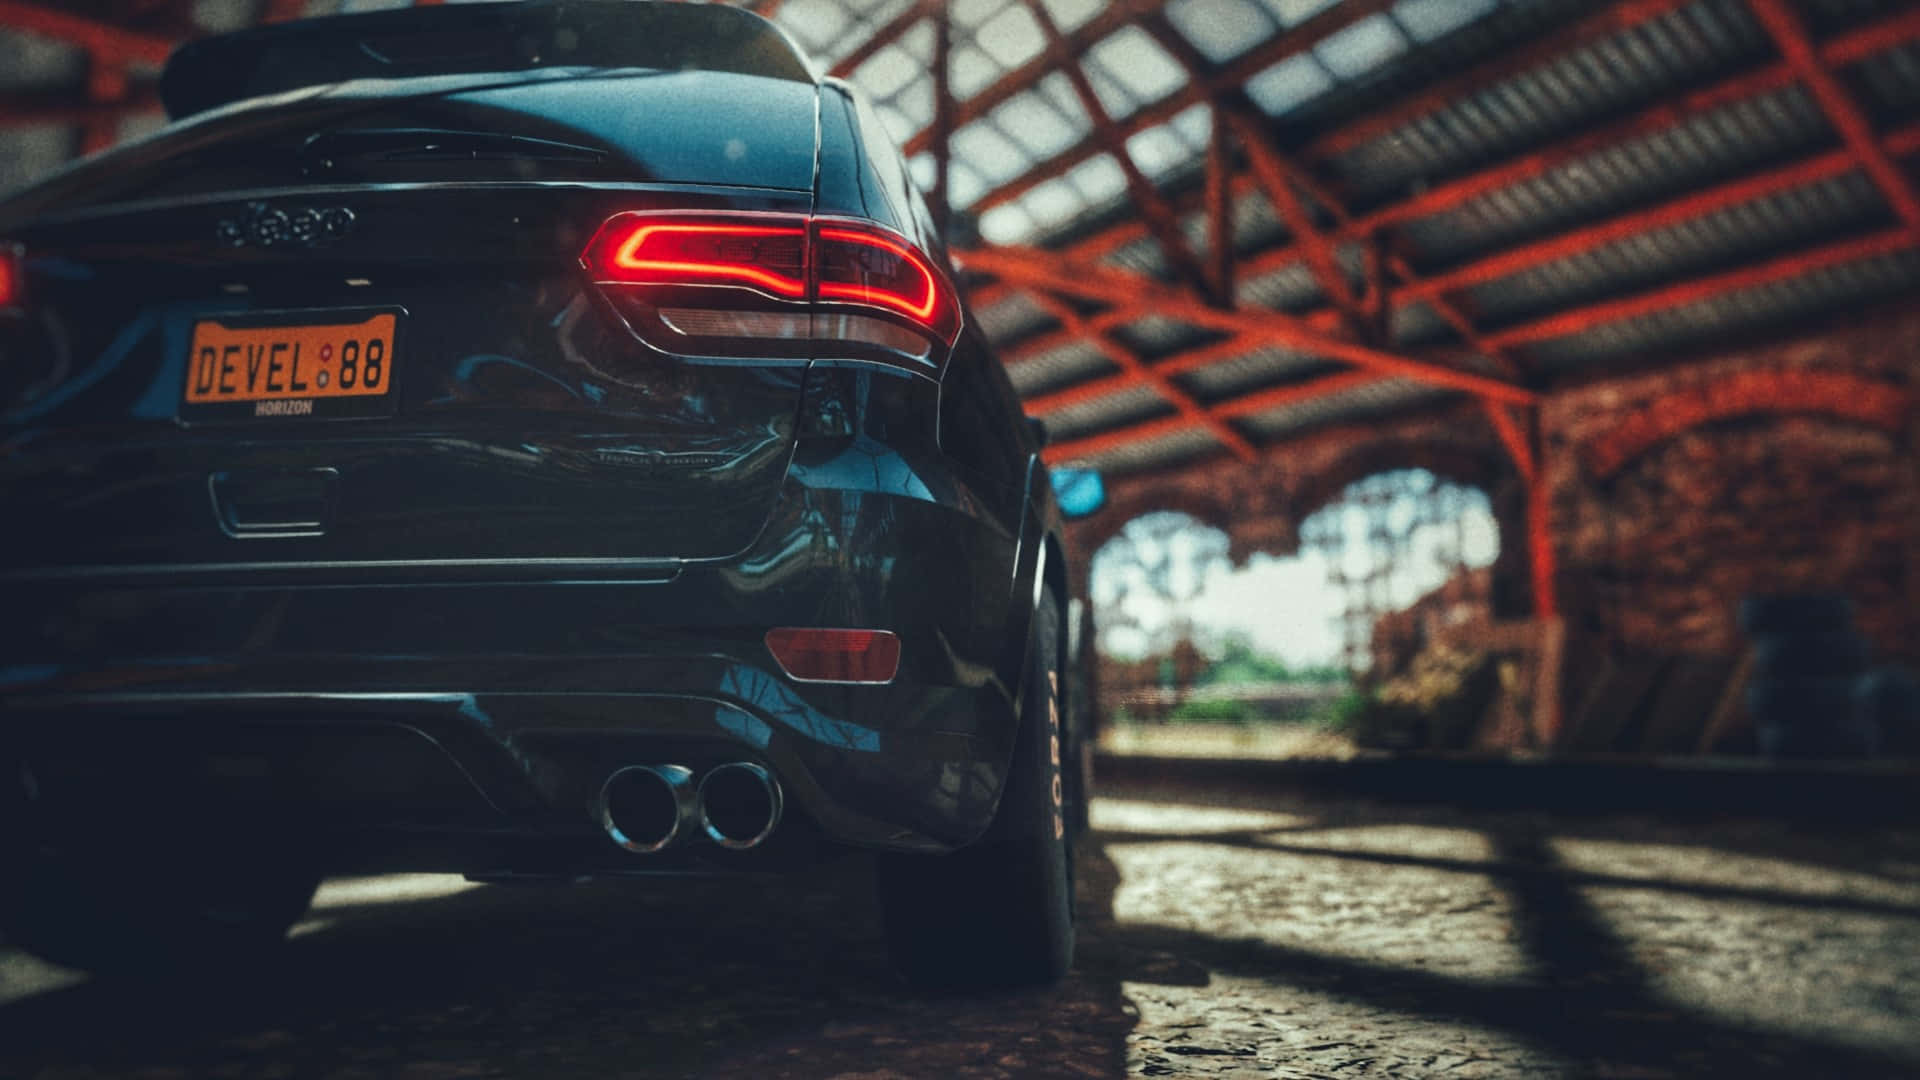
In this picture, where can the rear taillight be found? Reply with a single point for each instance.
(643, 249)
(729, 283)
(843, 656)
(13, 280)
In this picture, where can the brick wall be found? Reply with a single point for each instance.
(1782, 466)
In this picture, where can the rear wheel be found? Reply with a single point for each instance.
(999, 912)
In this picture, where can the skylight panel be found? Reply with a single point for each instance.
(1158, 150)
(1053, 204)
(1362, 47)
(964, 186)
(1292, 13)
(986, 149)
(1099, 178)
(975, 12)
(1007, 224)
(1068, 15)
(1036, 125)
(915, 103)
(1138, 62)
(970, 71)
(890, 69)
(1426, 20)
(921, 166)
(1220, 29)
(1012, 37)
(1194, 125)
(896, 124)
(1289, 84)
(814, 22)
(1113, 97)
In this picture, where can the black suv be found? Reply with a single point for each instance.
(523, 440)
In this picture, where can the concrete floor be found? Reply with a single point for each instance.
(1224, 935)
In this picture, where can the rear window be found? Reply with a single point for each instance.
(679, 127)
(462, 39)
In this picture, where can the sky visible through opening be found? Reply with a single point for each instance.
(1286, 606)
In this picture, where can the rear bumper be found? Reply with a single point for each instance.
(470, 724)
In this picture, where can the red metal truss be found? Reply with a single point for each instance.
(1151, 204)
(1844, 49)
(886, 35)
(1189, 410)
(1142, 295)
(1855, 129)
(1610, 19)
(1081, 38)
(1840, 51)
(1226, 79)
(1276, 177)
(1261, 401)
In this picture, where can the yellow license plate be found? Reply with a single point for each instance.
(285, 369)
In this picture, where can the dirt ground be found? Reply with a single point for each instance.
(1223, 935)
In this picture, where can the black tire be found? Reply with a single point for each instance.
(152, 920)
(999, 912)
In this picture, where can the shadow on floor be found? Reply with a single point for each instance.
(782, 977)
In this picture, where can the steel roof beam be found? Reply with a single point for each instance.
(1611, 19)
(1272, 398)
(1081, 38)
(1229, 77)
(1188, 409)
(1790, 36)
(1577, 320)
(1840, 51)
(886, 35)
(1634, 223)
(1046, 270)
(1152, 205)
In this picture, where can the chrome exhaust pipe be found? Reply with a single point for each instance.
(647, 808)
(740, 805)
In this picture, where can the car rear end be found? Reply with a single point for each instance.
(501, 443)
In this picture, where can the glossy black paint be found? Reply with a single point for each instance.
(425, 638)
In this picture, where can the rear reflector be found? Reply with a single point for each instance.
(843, 656)
(13, 280)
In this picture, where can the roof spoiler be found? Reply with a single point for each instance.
(457, 39)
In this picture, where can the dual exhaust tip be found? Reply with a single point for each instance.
(649, 808)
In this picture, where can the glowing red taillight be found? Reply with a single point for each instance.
(865, 266)
(13, 280)
(637, 249)
(845, 656)
(838, 263)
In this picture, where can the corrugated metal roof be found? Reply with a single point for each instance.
(1706, 148)
(1818, 293)
(1366, 402)
(1129, 406)
(1073, 362)
(1836, 207)
(1252, 371)
(1165, 451)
